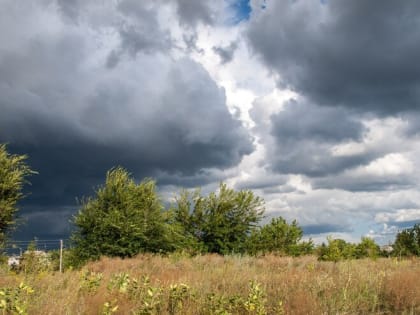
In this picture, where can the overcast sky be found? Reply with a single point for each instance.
(314, 105)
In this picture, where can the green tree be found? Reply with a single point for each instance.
(367, 248)
(220, 222)
(13, 174)
(407, 242)
(337, 249)
(279, 237)
(123, 219)
(187, 219)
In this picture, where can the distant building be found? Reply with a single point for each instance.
(16, 260)
(13, 261)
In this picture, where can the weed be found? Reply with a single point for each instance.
(120, 281)
(255, 303)
(90, 281)
(178, 294)
(110, 308)
(15, 300)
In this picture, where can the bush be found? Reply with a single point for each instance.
(279, 237)
(123, 219)
(220, 222)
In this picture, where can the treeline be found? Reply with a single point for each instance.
(125, 218)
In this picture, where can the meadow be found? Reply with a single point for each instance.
(215, 284)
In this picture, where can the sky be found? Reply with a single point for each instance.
(314, 105)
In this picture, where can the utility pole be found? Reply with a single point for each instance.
(61, 256)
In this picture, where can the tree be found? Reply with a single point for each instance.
(13, 174)
(367, 248)
(407, 242)
(123, 219)
(278, 237)
(337, 249)
(187, 219)
(220, 222)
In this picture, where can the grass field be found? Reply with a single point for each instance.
(215, 284)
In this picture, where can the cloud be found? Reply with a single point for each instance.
(303, 136)
(155, 113)
(356, 54)
(399, 216)
(389, 172)
(324, 228)
(192, 12)
(226, 53)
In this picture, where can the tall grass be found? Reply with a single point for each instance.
(212, 284)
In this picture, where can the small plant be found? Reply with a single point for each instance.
(221, 305)
(15, 300)
(110, 308)
(255, 303)
(120, 281)
(280, 308)
(151, 297)
(178, 293)
(90, 281)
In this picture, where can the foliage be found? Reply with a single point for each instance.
(212, 284)
(338, 249)
(15, 300)
(407, 242)
(90, 281)
(278, 237)
(13, 174)
(123, 219)
(34, 261)
(110, 308)
(217, 304)
(219, 222)
(178, 294)
(367, 248)
(255, 303)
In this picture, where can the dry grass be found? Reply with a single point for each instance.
(220, 285)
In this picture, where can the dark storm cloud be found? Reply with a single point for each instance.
(139, 32)
(304, 135)
(359, 54)
(226, 53)
(299, 121)
(69, 8)
(366, 183)
(45, 223)
(191, 12)
(76, 118)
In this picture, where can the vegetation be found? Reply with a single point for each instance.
(123, 219)
(172, 262)
(407, 242)
(221, 222)
(215, 284)
(13, 174)
(338, 249)
(279, 237)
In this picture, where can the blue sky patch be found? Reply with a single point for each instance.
(242, 9)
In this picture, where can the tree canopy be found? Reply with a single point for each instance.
(13, 175)
(222, 221)
(280, 237)
(407, 242)
(122, 219)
